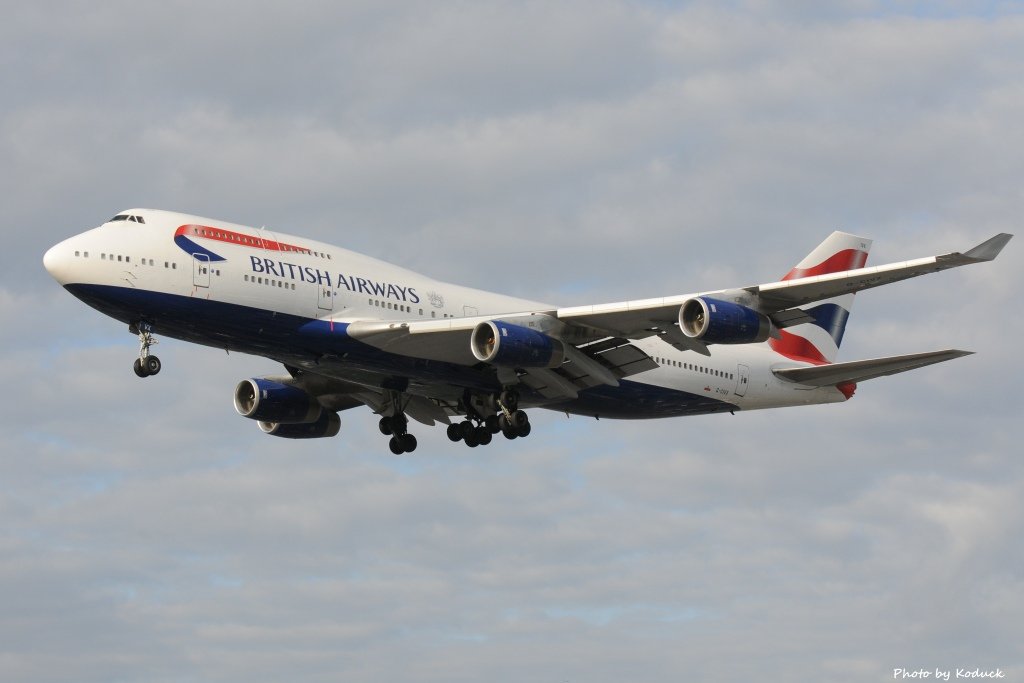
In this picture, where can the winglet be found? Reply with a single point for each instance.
(990, 248)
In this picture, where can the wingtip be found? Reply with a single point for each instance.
(990, 248)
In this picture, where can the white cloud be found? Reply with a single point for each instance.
(623, 150)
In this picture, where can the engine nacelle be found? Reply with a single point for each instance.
(512, 346)
(720, 322)
(270, 401)
(328, 425)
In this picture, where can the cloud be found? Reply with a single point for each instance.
(581, 153)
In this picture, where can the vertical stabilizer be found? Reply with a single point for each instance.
(819, 341)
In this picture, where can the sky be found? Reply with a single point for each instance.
(573, 153)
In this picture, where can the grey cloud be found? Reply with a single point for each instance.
(624, 150)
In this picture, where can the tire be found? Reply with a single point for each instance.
(152, 365)
(399, 423)
(139, 369)
(454, 433)
(483, 436)
(525, 430)
(467, 429)
(407, 442)
(396, 446)
(385, 426)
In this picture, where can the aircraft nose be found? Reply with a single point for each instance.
(56, 261)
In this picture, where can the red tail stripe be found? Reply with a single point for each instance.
(797, 348)
(848, 259)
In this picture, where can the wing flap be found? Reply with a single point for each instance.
(862, 370)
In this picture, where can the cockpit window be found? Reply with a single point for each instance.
(127, 217)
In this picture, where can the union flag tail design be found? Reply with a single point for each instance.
(819, 341)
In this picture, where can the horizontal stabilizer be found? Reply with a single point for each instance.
(860, 370)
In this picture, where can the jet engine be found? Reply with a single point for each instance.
(327, 425)
(270, 401)
(505, 345)
(721, 322)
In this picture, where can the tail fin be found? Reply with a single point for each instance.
(819, 341)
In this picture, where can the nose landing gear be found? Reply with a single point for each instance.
(145, 364)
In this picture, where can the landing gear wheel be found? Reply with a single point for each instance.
(396, 446)
(467, 429)
(139, 369)
(385, 427)
(454, 433)
(407, 442)
(519, 420)
(492, 424)
(399, 423)
(483, 435)
(525, 430)
(151, 365)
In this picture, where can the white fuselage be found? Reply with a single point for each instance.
(196, 261)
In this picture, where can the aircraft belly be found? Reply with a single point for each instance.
(637, 401)
(315, 345)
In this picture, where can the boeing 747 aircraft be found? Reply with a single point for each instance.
(351, 331)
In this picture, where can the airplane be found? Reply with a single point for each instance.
(352, 330)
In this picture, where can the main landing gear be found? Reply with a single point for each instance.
(477, 430)
(145, 364)
(396, 426)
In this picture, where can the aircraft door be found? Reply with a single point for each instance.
(325, 297)
(201, 270)
(742, 379)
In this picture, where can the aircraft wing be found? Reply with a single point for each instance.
(589, 358)
(777, 300)
(596, 339)
(861, 370)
